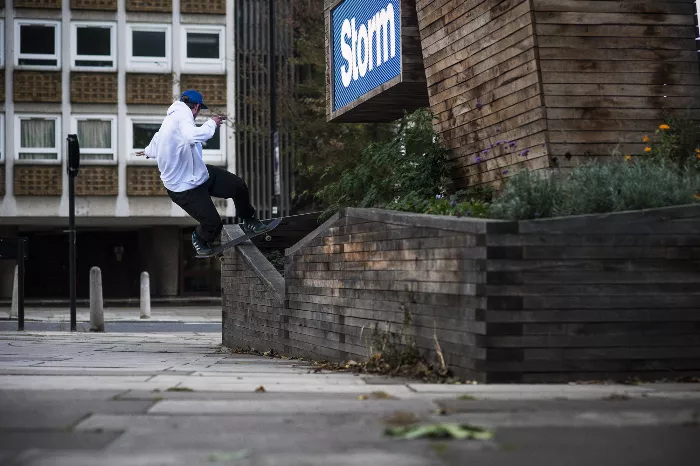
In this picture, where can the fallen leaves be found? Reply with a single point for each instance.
(260, 389)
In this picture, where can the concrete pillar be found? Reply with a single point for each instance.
(97, 317)
(15, 295)
(145, 296)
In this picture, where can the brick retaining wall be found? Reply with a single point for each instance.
(601, 296)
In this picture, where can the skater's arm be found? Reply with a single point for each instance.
(151, 151)
(193, 134)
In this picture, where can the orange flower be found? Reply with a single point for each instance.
(628, 157)
(664, 127)
(647, 149)
(645, 139)
(696, 195)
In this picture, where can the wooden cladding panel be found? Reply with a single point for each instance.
(212, 87)
(37, 86)
(144, 181)
(38, 180)
(388, 101)
(150, 6)
(97, 181)
(148, 88)
(209, 7)
(483, 80)
(107, 5)
(94, 88)
(606, 80)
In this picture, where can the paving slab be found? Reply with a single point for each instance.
(53, 439)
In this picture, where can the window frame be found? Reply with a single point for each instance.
(215, 156)
(74, 25)
(131, 156)
(203, 65)
(18, 139)
(18, 45)
(149, 64)
(2, 42)
(2, 138)
(75, 118)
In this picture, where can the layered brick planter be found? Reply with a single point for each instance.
(590, 297)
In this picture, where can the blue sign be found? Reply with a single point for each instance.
(366, 47)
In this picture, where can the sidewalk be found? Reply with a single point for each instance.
(162, 399)
(121, 314)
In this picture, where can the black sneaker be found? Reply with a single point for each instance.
(200, 245)
(253, 225)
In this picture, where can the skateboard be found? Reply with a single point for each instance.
(217, 251)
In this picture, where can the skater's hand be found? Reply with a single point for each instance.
(219, 119)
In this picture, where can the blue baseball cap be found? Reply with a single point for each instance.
(195, 97)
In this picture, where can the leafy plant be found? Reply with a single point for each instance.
(616, 185)
(413, 163)
(677, 141)
(457, 205)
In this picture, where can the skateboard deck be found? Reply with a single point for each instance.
(271, 225)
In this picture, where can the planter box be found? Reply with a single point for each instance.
(590, 297)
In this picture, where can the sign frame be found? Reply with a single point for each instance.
(404, 93)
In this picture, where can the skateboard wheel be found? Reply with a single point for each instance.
(221, 258)
(268, 238)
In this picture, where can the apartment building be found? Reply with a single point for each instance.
(107, 70)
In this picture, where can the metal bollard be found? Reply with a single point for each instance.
(145, 296)
(15, 295)
(97, 316)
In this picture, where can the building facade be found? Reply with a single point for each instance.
(107, 70)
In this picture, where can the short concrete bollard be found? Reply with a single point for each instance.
(15, 295)
(145, 296)
(97, 316)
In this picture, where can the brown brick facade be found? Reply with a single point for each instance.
(145, 88)
(144, 181)
(108, 5)
(50, 4)
(211, 7)
(37, 86)
(97, 181)
(212, 87)
(150, 6)
(38, 180)
(93, 88)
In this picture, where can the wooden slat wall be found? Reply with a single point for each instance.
(484, 86)
(609, 67)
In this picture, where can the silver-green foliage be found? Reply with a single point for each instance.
(614, 186)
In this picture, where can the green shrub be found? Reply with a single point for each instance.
(617, 185)
(677, 141)
(413, 163)
(460, 204)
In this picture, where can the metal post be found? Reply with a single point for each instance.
(276, 211)
(73, 167)
(20, 284)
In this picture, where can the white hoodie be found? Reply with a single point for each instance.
(177, 147)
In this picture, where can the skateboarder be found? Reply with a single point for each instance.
(190, 183)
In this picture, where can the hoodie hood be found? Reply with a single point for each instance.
(180, 108)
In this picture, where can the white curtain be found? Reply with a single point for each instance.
(95, 134)
(36, 133)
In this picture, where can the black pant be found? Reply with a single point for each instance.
(198, 204)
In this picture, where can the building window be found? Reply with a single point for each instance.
(38, 44)
(37, 138)
(94, 46)
(96, 135)
(149, 48)
(141, 131)
(214, 150)
(203, 49)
